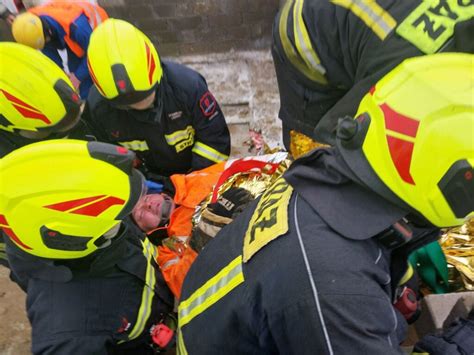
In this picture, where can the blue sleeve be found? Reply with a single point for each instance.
(53, 54)
(80, 33)
(212, 140)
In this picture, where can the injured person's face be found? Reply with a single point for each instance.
(153, 211)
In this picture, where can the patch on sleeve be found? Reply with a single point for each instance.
(208, 104)
(270, 219)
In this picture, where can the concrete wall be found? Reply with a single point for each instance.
(183, 27)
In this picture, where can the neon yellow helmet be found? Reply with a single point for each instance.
(413, 139)
(35, 94)
(27, 29)
(59, 197)
(123, 63)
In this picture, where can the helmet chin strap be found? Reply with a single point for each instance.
(109, 235)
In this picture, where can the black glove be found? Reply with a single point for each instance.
(231, 203)
(457, 339)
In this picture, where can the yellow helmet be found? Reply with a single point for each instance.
(413, 139)
(35, 94)
(27, 29)
(59, 197)
(123, 63)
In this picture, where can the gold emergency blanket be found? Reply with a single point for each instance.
(254, 182)
(301, 144)
(458, 247)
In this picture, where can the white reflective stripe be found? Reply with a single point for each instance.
(93, 15)
(302, 40)
(169, 263)
(290, 51)
(373, 15)
(148, 291)
(311, 279)
(212, 291)
(177, 136)
(209, 152)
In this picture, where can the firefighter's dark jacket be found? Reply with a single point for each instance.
(9, 141)
(328, 52)
(187, 132)
(94, 305)
(263, 295)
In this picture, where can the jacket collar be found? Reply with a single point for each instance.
(325, 181)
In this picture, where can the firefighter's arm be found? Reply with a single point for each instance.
(52, 53)
(212, 137)
(72, 344)
(343, 324)
(80, 33)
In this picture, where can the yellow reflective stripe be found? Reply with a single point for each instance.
(374, 16)
(181, 347)
(290, 52)
(212, 291)
(3, 255)
(303, 43)
(209, 152)
(135, 145)
(177, 136)
(401, 136)
(144, 312)
(408, 275)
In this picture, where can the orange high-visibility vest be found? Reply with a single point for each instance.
(66, 12)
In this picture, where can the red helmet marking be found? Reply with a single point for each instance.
(150, 63)
(24, 109)
(16, 100)
(32, 114)
(98, 207)
(9, 232)
(397, 122)
(401, 152)
(72, 204)
(372, 90)
(84, 206)
(94, 79)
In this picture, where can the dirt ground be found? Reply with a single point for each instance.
(245, 86)
(14, 326)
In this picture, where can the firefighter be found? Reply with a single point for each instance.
(37, 102)
(327, 54)
(313, 266)
(92, 284)
(161, 110)
(62, 25)
(37, 99)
